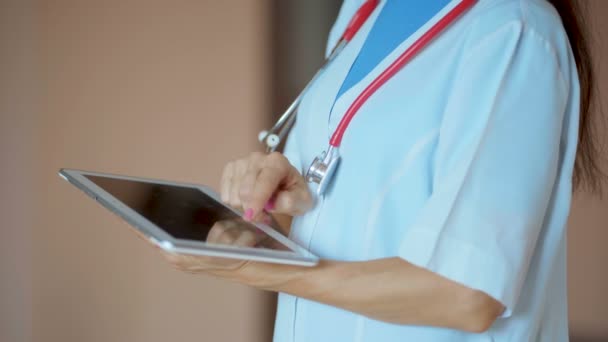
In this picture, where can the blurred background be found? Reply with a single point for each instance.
(168, 89)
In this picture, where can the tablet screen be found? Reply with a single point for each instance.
(186, 213)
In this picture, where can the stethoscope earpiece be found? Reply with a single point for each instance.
(273, 141)
(270, 140)
(262, 136)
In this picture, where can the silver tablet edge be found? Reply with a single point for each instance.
(296, 256)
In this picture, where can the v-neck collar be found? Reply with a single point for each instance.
(343, 63)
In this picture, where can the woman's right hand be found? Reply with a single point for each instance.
(265, 182)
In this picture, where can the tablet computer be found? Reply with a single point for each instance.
(178, 217)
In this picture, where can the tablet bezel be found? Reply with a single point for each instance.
(296, 256)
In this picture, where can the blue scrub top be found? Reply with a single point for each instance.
(461, 163)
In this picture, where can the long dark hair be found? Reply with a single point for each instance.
(587, 171)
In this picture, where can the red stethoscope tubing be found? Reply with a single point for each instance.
(399, 63)
(359, 19)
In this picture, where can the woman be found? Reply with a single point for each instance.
(446, 219)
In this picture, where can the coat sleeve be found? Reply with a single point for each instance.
(495, 165)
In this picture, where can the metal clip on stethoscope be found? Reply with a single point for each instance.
(324, 166)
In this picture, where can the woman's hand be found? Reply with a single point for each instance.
(259, 184)
(265, 182)
(227, 232)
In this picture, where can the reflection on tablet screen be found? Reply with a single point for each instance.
(186, 213)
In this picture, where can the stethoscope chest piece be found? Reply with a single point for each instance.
(323, 168)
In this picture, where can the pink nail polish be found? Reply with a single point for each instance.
(248, 214)
(269, 205)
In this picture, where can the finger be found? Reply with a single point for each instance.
(171, 257)
(225, 182)
(249, 178)
(260, 216)
(274, 170)
(215, 232)
(240, 167)
(187, 263)
(228, 236)
(295, 202)
(271, 203)
(264, 217)
(246, 238)
(266, 184)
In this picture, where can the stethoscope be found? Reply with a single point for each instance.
(324, 166)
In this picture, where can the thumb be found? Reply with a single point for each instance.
(293, 202)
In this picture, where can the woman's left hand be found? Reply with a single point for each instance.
(228, 232)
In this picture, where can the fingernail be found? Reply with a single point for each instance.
(269, 205)
(248, 214)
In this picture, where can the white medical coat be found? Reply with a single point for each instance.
(461, 163)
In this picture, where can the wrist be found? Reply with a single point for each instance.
(272, 277)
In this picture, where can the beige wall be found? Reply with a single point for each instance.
(166, 89)
(17, 148)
